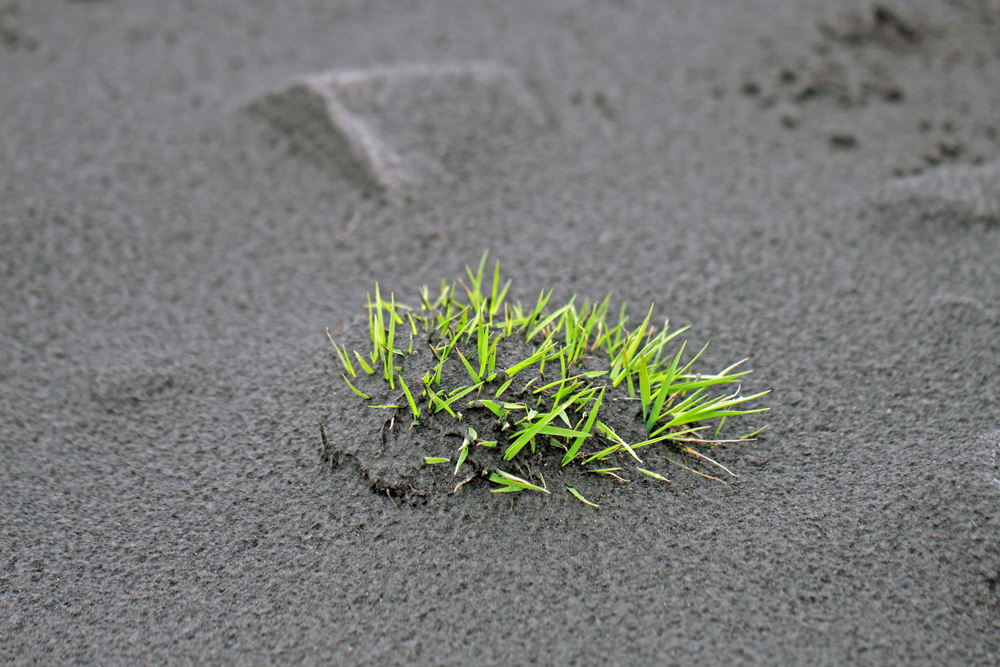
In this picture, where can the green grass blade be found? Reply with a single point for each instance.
(378, 332)
(548, 320)
(644, 395)
(566, 389)
(673, 435)
(432, 460)
(461, 457)
(463, 392)
(492, 406)
(652, 474)
(476, 296)
(345, 360)
(390, 372)
(355, 389)
(706, 381)
(437, 371)
(560, 432)
(664, 390)
(750, 436)
(491, 361)
(529, 433)
(361, 360)
(504, 387)
(603, 454)
(591, 418)
(609, 433)
(533, 359)
(722, 422)
(495, 299)
(631, 359)
(409, 399)
(539, 307)
(468, 367)
(501, 477)
(439, 402)
(580, 497)
(483, 346)
(713, 409)
(682, 372)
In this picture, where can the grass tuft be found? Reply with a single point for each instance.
(565, 402)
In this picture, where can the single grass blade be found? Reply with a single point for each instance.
(492, 406)
(364, 365)
(409, 399)
(378, 332)
(497, 299)
(390, 372)
(610, 472)
(750, 436)
(713, 462)
(472, 371)
(559, 432)
(580, 497)
(355, 389)
(476, 295)
(652, 474)
(700, 474)
(644, 394)
(491, 357)
(439, 402)
(461, 457)
(504, 387)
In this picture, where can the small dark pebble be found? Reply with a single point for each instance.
(843, 141)
(892, 94)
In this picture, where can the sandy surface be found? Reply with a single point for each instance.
(813, 185)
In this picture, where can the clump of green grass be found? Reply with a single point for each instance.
(545, 396)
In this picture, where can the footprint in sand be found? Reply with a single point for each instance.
(954, 196)
(398, 129)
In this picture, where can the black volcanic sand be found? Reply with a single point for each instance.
(811, 186)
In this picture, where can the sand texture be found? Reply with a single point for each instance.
(192, 193)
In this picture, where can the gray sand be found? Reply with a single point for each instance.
(808, 184)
